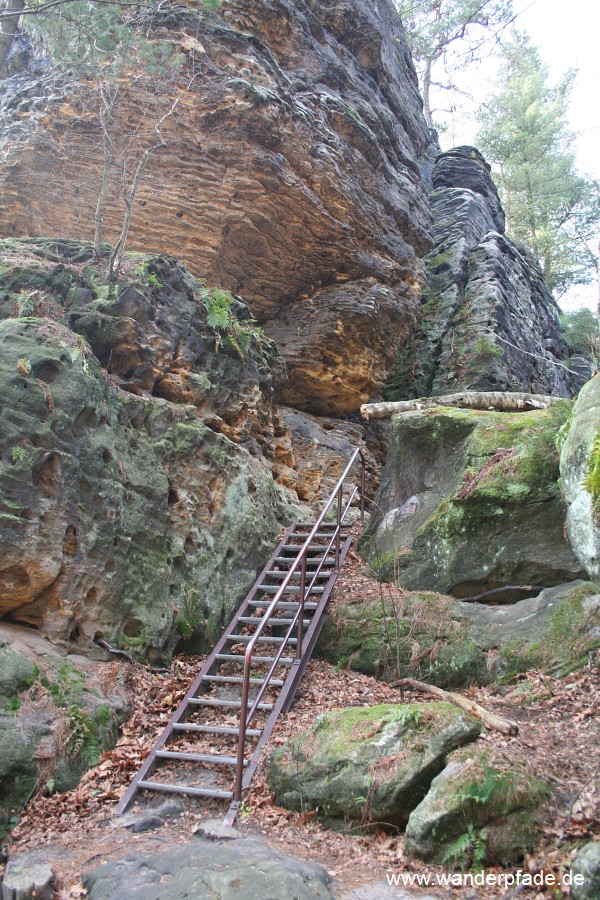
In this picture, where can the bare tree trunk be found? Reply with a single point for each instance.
(426, 92)
(107, 100)
(10, 16)
(130, 193)
(504, 401)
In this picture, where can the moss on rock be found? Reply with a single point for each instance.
(451, 643)
(482, 795)
(371, 764)
(469, 502)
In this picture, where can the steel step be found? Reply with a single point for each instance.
(234, 679)
(290, 589)
(225, 704)
(298, 547)
(184, 789)
(198, 757)
(285, 604)
(252, 620)
(214, 729)
(239, 658)
(267, 639)
(297, 574)
(313, 561)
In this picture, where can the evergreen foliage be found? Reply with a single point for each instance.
(549, 206)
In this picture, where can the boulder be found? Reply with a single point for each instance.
(479, 805)
(469, 503)
(129, 512)
(488, 321)
(586, 873)
(289, 173)
(579, 466)
(57, 715)
(29, 876)
(245, 867)
(320, 447)
(371, 764)
(452, 643)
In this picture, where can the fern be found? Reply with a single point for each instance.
(468, 850)
(591, 480)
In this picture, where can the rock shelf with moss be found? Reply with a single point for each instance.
(469, 502)
(136, 480)
(370, 764)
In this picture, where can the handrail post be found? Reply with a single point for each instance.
(339, 526)
(362, 487)
(239, 772)
(302, 597)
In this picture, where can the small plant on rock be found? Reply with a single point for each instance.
(468, 850)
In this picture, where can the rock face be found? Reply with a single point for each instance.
(210, 869)
(488, 321)
(139, 495)
(580, 460)
(318, 450)
(373, 764)
(458, 643)
(480, 788)
(469, 503)
(288, 174)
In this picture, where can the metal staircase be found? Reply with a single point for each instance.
(211, 746)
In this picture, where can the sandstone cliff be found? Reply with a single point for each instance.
(488, 321)
(287, 172)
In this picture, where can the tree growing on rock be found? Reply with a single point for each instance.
(446, 35)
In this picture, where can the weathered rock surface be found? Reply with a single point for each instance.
(114, 502)
(288, 174)
(57, 714)
(374, 764)
(27, 876)
(587, 866)
(245, 867)
(459, 643)
(577, 461)
(318, 450)
(480, 788)
(469, 503)
(488, 321)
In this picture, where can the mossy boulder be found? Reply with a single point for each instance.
(137, 497)
(55, 720)
(580, 477)
(369, 764)
(469, 503)
(453, 643)
(586, 865)
(478, 798)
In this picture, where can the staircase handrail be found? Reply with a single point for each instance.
(297, 620)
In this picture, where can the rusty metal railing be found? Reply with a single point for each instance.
(297, 621)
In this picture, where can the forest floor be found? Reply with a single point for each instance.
(559, 736)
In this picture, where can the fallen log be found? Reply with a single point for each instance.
(490, 720)
(501, 401)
